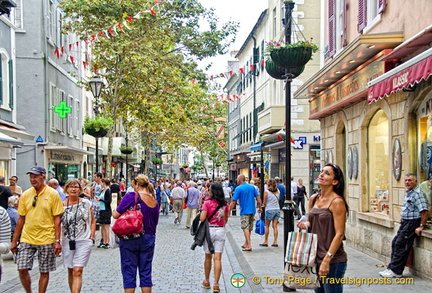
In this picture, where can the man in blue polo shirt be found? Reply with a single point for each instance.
(414, 215)
(246, 195)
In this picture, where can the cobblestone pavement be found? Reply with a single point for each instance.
(177, 268)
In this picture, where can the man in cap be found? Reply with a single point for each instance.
(39, 222)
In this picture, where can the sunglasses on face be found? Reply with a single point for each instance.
(35, 200)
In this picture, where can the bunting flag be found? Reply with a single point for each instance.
(107, 33)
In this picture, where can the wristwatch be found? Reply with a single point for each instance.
(422, 225)
(57, 240)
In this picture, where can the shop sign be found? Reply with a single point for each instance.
(352, 86)
(233, 167)
(62, 157)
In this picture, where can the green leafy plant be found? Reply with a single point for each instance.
(126, 150)
(277, 45)
(97, 126)
(157, 161)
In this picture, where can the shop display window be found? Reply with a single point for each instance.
(378, 164)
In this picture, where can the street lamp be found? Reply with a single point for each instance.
(96, 85)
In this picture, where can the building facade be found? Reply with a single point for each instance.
(47, 80)
(261, 112)
(372, 98)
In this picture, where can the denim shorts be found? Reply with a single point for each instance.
(272, 215)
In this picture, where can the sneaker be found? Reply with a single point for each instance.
(206, 284)
(216, 288)
(388, 273)
(101, 245)
(106, 246)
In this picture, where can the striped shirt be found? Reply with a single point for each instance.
(5, 233)
(414, 203)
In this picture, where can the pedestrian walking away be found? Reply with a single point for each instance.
(216, 210)
(39, 225)
(137, 252)
(78, 230)
(105, 213)
(192, 196)
(328, 211)
(414, 215)
(272, 212)
(246, 194)
(177, 195)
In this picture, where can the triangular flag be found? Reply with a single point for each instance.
(152, 11)
(84, 64)
(111, 31)
(279, 138)
(242, 70)
(252, 67)
(130, 18)
(57, 53)
(230, 73)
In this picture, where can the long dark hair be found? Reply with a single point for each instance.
(218, 194)
(339, 188)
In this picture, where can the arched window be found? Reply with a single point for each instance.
(378, 164)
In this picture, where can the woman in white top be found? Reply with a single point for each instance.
(78, 229)
(272, 212)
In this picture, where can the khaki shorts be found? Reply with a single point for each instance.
(247, 222)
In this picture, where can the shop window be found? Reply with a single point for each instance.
(425, 138)
(379, 171)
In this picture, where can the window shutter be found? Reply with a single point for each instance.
(344, 24)
(11, 93)
(362, 15)
(331, 28)
(381, 5)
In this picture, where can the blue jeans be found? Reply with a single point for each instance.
(137, 254)
(337, 271)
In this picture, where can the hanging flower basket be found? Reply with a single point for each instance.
(98, 126)
(274, 71)
(126, 150)
(290, 55)
(279, 72)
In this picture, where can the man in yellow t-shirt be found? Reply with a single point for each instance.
(40, 208)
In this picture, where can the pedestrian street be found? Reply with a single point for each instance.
(177, 268)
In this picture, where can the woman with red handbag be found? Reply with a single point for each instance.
(137, 253)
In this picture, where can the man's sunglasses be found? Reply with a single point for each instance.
(35, 200)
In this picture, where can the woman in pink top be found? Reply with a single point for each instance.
(216, 210)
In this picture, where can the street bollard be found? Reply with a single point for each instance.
(288, 211)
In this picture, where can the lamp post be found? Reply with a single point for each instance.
(126, 141)
(288, 208)
(96, 85)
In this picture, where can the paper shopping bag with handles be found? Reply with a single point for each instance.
(301, 277)
(301, 248)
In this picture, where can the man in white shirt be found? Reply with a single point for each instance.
(177, 196)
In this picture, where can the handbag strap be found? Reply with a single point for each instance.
(214, 213)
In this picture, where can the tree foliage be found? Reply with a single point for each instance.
(148, 68)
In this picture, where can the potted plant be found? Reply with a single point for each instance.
(291, 55)
(97, 126)
(127, 150)
(157, 161)
(278, 72)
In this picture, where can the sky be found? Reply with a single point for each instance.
(246, 12)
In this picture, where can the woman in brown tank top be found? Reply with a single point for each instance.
(328, 210)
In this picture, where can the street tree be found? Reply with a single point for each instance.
(149, 64)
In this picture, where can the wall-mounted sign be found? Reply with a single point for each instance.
(62, 110)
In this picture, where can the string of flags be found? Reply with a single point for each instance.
(240, 71)
(108, 33)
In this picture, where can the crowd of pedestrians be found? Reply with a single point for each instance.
(48, 220)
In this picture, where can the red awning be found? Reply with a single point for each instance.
(403, 76)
